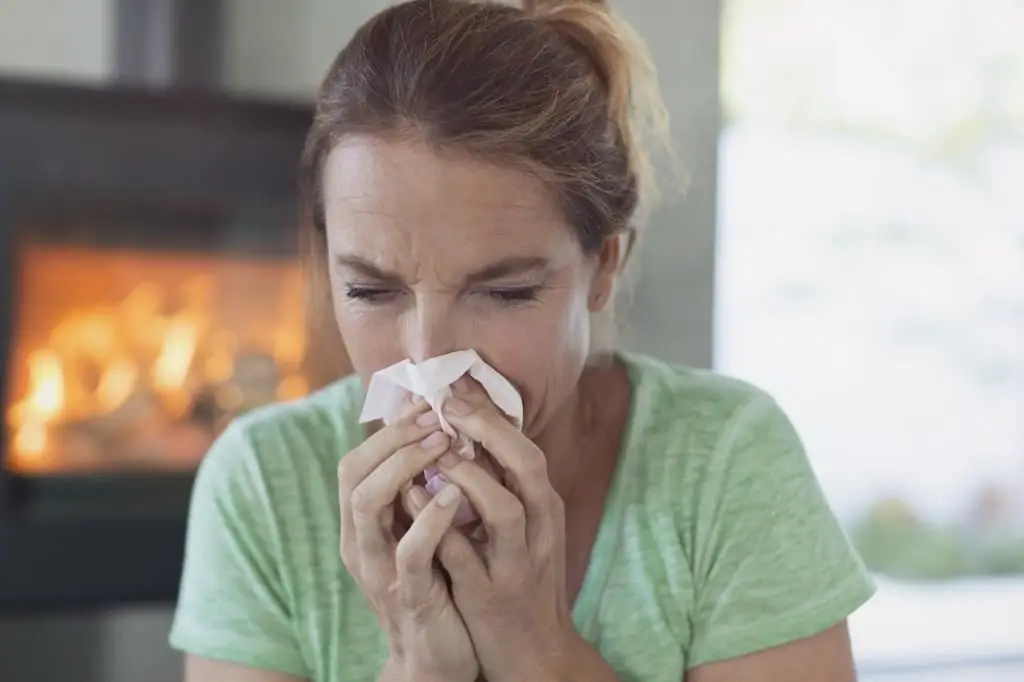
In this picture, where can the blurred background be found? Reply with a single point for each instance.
(852, 240)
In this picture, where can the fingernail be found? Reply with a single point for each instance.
(448, 496)
(449, 459)
(434, 440)
(417, 399)
(427, 418)
(458, 407)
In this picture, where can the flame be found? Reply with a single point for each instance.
(179, 346)
(155, 349)
(41, 406)
(117, 384)
(47, 396)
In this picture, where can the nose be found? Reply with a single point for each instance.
(429, 330)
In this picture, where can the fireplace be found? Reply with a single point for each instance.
(150, 291)
(128, 360)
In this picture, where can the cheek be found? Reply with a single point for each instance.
(372, 339)
(542, 351)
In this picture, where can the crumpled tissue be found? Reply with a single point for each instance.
(432, 380)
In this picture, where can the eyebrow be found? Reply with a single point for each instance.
(365, 268)
(506, 267)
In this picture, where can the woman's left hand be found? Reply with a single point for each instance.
(511, 589)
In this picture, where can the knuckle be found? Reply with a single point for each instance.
(455, 554)
(405, 464)
(406, 429)
(361, 500)
(411, 456)
(346, 466)
(406, 438)
(509, 515)
(545, 545)
(420, 609)
(374, 583)
(411, 555)
(535, 468)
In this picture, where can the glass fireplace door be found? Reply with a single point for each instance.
(132, 359)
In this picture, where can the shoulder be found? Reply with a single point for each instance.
(278, 443)
(706, 409)
(696, 437)
(263, 529)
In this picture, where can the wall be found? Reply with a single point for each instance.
(281, 49)
(58, 39)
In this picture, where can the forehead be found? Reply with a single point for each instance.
(377, 192)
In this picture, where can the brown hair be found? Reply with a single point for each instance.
(563, 89)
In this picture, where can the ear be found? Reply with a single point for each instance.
(609, 263)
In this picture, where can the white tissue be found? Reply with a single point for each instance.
(432, 379)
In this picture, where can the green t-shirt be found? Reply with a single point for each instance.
(716, 539)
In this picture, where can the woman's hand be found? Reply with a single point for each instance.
(428, 639)
(511, 589)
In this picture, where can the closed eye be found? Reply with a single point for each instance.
(371, 294)
(514, 295)
(507, 296)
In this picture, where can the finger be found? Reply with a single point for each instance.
(468, 573)
(415, 406)
(524, 463)
(501, 511)
(414, 555)
(417, 422)
(355, 466)
(371, 501)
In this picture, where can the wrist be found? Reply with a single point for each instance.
(393, 671)
(555, 662)
(576, 660)
(396, 670)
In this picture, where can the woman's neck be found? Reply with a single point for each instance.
(588, 426)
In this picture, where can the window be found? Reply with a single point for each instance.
(871, 276)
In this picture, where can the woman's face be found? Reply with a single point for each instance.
(432, 253)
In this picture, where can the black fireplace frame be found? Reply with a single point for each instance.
(202, 162)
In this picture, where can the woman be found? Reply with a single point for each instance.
(472, 178)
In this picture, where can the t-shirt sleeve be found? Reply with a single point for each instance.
(232, 605)
(772, 564)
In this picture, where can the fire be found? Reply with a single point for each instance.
(148, 378)
(41, 407)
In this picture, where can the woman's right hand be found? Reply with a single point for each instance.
(428, 639)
